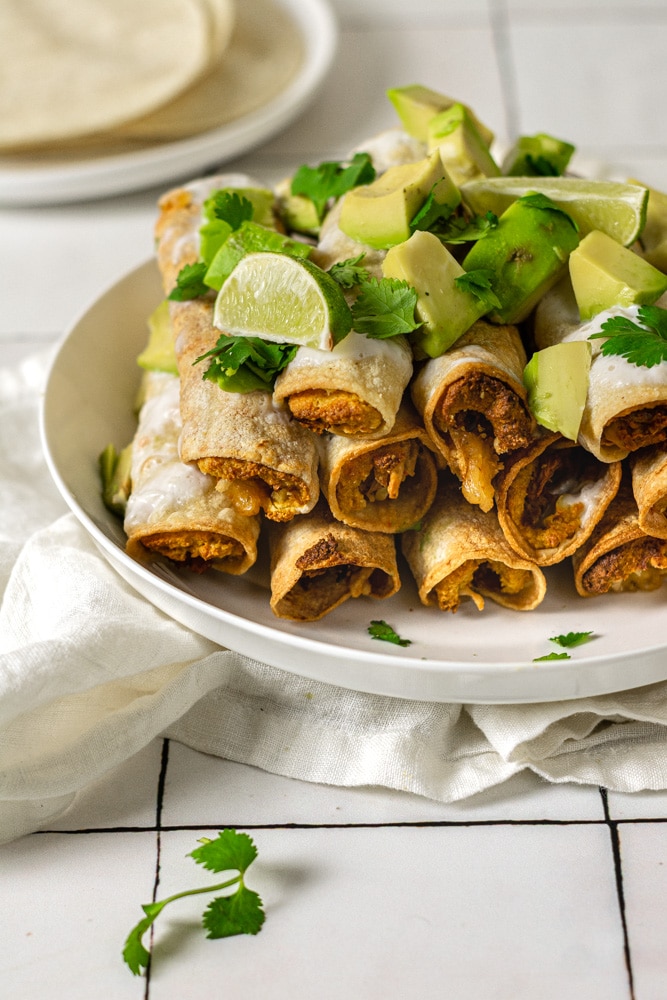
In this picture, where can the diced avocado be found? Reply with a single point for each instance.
(379, 214)
(557, 382)
(605, 274)
(445, 310)
(158, 354)
(417, 105)
(464, 152)
(115, 475)
(250, 237)
(653, 237)
(526, 253)
(300, 214)
(211, 237)
(539, 155)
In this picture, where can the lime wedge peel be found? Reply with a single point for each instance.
(284, 299)
(613, 207)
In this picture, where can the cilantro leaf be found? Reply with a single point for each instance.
(189, 283)
(332, 179)
(552, 656)
(232, 208)
(461, 229)
(644, 346)
(571, 638)
(239, 912)
(385, 308)
(349, 273)
(478, 284)
(431, 212)
(242, 364)
(380, 630)
(535, 199)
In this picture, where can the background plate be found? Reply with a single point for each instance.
(472, 656)
(37, 183)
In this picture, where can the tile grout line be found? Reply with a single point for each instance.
(164, 762)
(612, 826)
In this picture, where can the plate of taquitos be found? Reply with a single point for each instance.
(378, 487)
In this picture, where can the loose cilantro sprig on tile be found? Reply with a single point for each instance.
(242, 364)
(332, 179)
(381, 630)
(385, 308)
(239, 912)
(642, 345)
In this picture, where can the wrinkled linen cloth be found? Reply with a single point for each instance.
(91, 672)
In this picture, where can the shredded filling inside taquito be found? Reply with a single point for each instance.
(254, 487)
(640, 564)
(637, 428)
(482, 418)
(377, 475)
(540, 498)
(336, 411)
(195, 549)
(478, 577)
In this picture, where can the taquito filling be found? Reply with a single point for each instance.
(541, 500)
(477, 578)
(255, 487)
(481, 418)
(637, 428)
(640, 564)
(336, 411)
(378, 475)
(196, 549)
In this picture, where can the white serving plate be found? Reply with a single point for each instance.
(35, 182)
(472, 656)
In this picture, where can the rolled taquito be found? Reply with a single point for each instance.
(550, 496)
(174, 510)
(317, 563)
(474, 406)
(619, 556)
(460, 553)
(386, 484)
(649, 486)
(626, 406)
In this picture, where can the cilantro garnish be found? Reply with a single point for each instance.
(231, 207)
(535, 199)
(380, 630)
(431, 212)
(332, 179)
(552, 656)
(239, 912)
(461, 229)
(189, 283)
(242, 364)
(349, 273)
(645, 345)
(385, 308)
(571, 638)
(478, 284)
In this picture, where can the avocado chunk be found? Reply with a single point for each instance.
(158, 354)
(445, 310)
(417, 105)
(525, 255)
(654, 234)
(604, 274)
(115, 475)
(464, 152)
(539, 155)
(379, 214)
(557, 382)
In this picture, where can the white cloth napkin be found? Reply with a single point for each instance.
(90, 672)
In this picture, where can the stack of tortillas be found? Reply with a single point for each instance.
(95, 75)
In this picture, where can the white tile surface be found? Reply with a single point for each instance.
(644, 858)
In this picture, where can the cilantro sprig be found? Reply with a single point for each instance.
(458, 229)
(239, 912)
(478, 284)
(643, 344)
(331, 179)
(381, 630)
(385, 308)
(566, 641)
(242, 364)
(189, 282)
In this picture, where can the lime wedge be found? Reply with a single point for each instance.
(613, 207)
(284, 299)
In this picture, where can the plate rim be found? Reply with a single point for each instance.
(136, 170)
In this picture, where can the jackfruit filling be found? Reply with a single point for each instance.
(254, 487)
(336, 411)
(378, 475)
(477, 578)
(637, 428)
(640, 564)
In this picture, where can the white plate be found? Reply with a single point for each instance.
(35, 183)
(471, 656)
